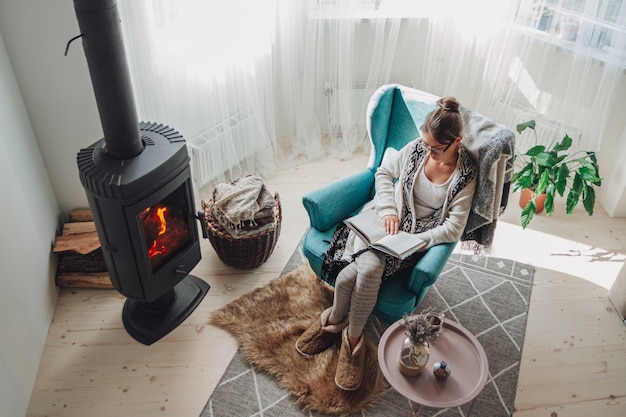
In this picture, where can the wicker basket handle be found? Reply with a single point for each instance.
(278, 215)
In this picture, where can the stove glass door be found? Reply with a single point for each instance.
(166, 227)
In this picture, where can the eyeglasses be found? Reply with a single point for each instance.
(437, 151)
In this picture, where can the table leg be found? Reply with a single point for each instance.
(415, 413)
(469, 412)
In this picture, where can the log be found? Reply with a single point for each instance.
(81, 215)
(84, 280)
(78, 227)
(79, 242)
(91, 262)
(81, 261)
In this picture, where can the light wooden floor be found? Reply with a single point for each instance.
(573, 363)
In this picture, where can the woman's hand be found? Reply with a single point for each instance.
(391, 223)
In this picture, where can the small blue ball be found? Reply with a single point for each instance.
(441, 370)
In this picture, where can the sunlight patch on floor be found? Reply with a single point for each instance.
(543, 250)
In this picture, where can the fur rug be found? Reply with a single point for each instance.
(266, 324)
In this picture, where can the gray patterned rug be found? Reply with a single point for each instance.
(488, 296)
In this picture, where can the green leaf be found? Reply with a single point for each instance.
(561, 179)
(522, 126)
(545, 159)
(589, 165)
(589, 199)
(525, 179)
(535, 150)
(574, 194)
(527, 213)
(578, 184)
(549, 204)
(594, 162)
(544, 180)
(572, 200)
(588, 173)
(564, 145)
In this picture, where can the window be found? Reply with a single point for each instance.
(378, 9)
(597, 24)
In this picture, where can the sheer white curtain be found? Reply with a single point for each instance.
(501, 63)
(566, 69)
(562, 63)
(207, 68)
(345, 58)
(196, 64)
(306, 67)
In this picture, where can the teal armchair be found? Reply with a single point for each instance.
(394, 116)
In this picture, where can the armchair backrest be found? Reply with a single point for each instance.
(394, 115)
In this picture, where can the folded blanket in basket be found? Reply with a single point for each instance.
(244, 206)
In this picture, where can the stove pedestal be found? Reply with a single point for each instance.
(148, 322)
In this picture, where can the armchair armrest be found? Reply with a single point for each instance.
(428, 268)
(329, 205)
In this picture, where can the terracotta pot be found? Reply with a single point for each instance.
(527, 194)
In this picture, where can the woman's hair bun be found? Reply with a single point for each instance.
(448, 104)
(445, 123)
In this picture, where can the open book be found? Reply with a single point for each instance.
(369, 227)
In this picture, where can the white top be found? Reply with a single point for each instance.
(428, 196)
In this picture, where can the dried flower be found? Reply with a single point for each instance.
(424, 326)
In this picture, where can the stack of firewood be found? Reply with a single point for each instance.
(81, 262)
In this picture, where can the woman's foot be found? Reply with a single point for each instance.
(349, 372)
(320, 335)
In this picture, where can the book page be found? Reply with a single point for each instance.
(402, 243)
(367, 225)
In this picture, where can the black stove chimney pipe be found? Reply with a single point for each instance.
(101, 34)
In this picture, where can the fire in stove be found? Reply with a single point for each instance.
(138, 185)
(166, 228)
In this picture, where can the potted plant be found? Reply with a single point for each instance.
(555, 169)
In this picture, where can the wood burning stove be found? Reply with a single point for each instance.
(138, 185)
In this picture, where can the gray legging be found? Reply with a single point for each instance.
(356, 289)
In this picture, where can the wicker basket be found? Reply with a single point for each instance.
(248, 251)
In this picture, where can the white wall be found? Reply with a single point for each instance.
(29, 217)
(57, 89)
(47, 113)
(612, 156)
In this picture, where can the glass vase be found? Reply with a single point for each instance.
(412, 358)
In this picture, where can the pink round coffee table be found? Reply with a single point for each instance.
(457, 347)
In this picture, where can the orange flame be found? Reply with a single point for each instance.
(157, 249)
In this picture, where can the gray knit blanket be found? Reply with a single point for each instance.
(493, 146)
(244, 206)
